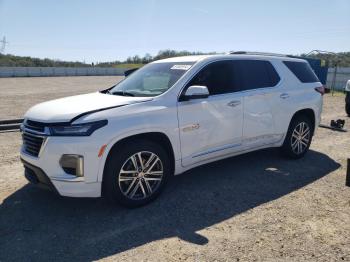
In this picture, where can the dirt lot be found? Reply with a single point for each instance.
(22, 92)
(255, 207)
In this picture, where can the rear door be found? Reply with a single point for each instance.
(258, 81)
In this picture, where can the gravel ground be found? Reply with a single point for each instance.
(23, 92)
(254, 207)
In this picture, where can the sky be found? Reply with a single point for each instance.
(109, 30)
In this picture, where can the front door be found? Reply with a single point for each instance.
(211, 127)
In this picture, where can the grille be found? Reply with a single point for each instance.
(33, 137)
(37, 126)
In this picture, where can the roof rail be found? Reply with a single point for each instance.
(255, 53)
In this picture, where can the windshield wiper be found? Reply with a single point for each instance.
(106, 92)
(122, 93)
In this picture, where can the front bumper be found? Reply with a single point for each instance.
(45, 170)
(37, 176)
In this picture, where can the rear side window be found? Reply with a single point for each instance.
(254, 74)
(302, 71)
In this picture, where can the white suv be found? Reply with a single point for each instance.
(167, 117)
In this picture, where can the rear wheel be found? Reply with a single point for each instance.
(136, 173)
(347, 108)
(298, 138)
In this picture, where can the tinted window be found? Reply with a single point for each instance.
(302, 71)
(274, 77)
(218, 77)
(255, 74)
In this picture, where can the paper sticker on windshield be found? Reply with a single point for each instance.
(180, 67)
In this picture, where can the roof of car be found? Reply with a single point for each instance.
(196, 58)
(191, 58)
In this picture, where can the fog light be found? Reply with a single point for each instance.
(72, 164)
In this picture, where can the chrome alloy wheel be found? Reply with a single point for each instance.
(140, 175)
(300, 138)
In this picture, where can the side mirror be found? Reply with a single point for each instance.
(195, 92)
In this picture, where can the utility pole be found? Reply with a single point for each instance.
(3, 44)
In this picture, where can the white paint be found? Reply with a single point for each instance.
(220, 125)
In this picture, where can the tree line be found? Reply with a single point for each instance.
(27, 61)
(341, 59)
(147, 58)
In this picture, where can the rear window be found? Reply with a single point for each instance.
(254, 74)
(302, 71)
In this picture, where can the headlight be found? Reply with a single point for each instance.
(85, 129)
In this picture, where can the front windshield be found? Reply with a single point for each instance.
(152, 79)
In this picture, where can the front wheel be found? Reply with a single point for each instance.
(136, 173)
(298, 138)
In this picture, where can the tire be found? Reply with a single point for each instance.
(296, 146)
(347, 108)
(131, 184)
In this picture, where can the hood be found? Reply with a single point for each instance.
(69, 108)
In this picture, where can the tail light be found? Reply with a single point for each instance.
(320, 89)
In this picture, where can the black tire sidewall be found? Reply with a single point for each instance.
(347, 108)
(287, 147)
(117, 158)
(347, 103)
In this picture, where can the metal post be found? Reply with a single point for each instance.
(334, 78)
(347, 181)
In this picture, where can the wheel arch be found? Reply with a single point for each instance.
(309, 113)
(156, 137)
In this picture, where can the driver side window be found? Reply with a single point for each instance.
(218, 77)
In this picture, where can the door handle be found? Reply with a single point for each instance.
(284, 95)
(234, 103)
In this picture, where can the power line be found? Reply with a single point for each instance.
(3, 44)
